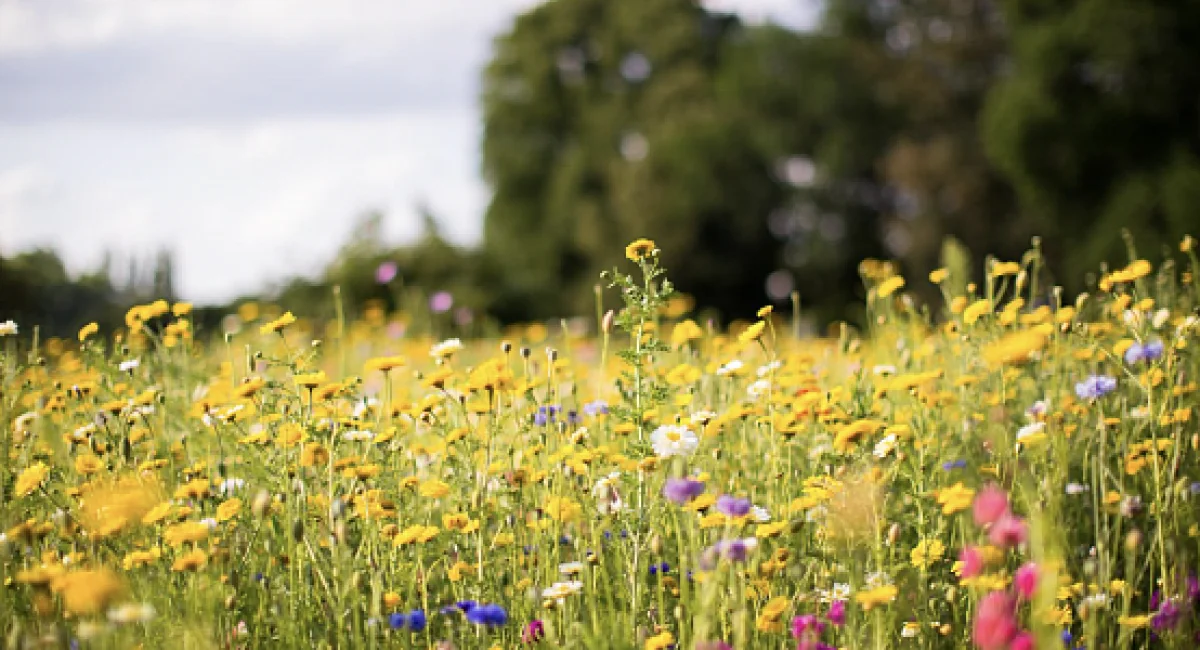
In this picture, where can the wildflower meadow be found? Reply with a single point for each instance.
(1010, 468)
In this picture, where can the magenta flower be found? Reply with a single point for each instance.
(837, 613)
(1023, 641)
(533, 632)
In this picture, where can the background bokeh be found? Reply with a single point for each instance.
(503, 152)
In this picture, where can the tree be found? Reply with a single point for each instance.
(605, 121)
(931, 65)
(1097, 125)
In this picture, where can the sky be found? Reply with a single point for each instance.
(246, 135)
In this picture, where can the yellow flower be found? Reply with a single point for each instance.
(1014, 348)
(938, 276)
(976, 310)
(563, 509)
(278, 324)
(881, 595)
(639, 249)
(927, 552)
(416, 534)
(229, 509)
(88, 592)
(955, 498)
(191, 531)
(32, 478)
(88, 330)
(849, 435)
(193, 561)
(1005, 268)
(310, 380)
(752, 333)
(660, 641)
(685, 331)
(384, 364)
(890, 286)
(433, 489)
(1134, 622)
(109, 506)
(88, 464)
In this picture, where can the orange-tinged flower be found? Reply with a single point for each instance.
(639, 249)
(88, 592)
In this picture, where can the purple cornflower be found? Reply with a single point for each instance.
(734, 550)
(1095, 387)
(1139, 353)
(954, 464)
(1167, 617)
(682, 490)
(733, 506)
(441, 302)
(545, 415)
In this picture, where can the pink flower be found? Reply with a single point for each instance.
(990, 505)
(1025, 580)
(1008, 531)
(972, 561)
(995, 621)
(1023, 641)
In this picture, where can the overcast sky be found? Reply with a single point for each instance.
(244, 135)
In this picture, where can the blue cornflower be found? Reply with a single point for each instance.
(1138, 353)
(1066, 638)
(414, 620)
(460, 606)
(954, 464)
(1095, 387)
(417, 620)
(490, 615)
(573, 417)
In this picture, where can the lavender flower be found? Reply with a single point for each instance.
(1147, 353)
(682, 490)
(1095, 387)
(733, 506)
(598, 407)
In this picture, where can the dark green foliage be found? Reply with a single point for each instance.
(1097, 126)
